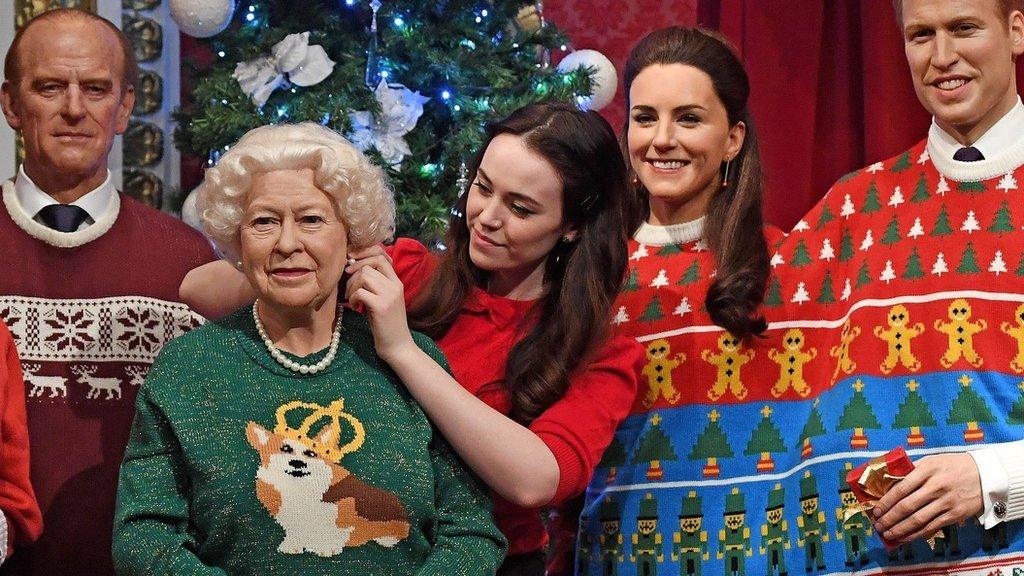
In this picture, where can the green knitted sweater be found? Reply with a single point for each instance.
(237, 465)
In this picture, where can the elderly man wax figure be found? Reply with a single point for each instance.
(921, 344)
(90, 279)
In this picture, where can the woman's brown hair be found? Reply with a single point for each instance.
(582, 277)
(733, 228)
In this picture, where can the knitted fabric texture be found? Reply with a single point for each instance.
(88, 320)
(896, 315)
(237, 465)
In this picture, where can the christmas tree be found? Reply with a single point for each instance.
(902, 163)
(863, 275)
(670, 249)
(632, 282)
(655, 447)
(765, 440)
(825, 218)
(858, 415)
(971, 187)
(969, 408)
(800, 256)
(913, 270)
(691, 275)
(914, 413)
(653, 312)
(1020, 267)
(813, 427)
(846, 246)
(871, 203)
(827, 295)
(942, 227)
(969, 263)
(365, 69)
(614, 457)
(1016, 415)
(892, 232)
(1002, 222)
(920, 191)
(774, 297)
(711, 445)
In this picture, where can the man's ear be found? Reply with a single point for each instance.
(1016, 28)
(7, 102)
(124, 110)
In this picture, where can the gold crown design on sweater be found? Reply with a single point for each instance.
(327, 423)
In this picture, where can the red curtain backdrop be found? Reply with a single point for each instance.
(830, 87)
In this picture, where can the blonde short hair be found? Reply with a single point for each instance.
(339, 169)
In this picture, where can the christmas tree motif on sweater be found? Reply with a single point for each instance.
(711, 445)
(765, 441)
(969, 408)
(655, 447)
(800, 295)
(858, 416)
(867, 242)
(690, 543)
(791, 359)
(1002, 222)
(844, 361)
(669, 250)
(902, 163)
(813, 531)
(827, 253)
(970, 223)
(973, 188)
(1007, 183)
(1016, 415)
(876, 167)
(969, 263)
(846, 246)
(728, 363)
(813, 427)
(920, 191)
(774, 297)
(916, 229)
(940, 267)
(942, 226)
(658, 370)
(853, 530)
(621, 317)
(847, 290)
(775, 533)
(826, 295)
(801, 226)
(653, 312)
(691, 275)
(863, 274)
(611, 539)
(871, 203)
(960, 332)
(647, 548)
(683, 308)
(614, 457)
(897, 336)
(914, 414)
(632, 281)
(1015, 331)
(734, 538)
(660, 280)
(639, 253)
(942, 187)
(777, 260)
(800, 256)
(847, 209)
(913, 270)
(997, 266)
(888, 273)
(322, 507)
(897, 198)
(825, 217)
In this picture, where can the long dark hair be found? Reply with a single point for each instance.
(733, 228)
(581, 277)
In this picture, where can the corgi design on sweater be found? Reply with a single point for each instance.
(322, 507)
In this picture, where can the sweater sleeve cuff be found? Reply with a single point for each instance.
(570, 468)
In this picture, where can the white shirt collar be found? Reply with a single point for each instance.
(32, 199)
(1002, 145)
(1009, 130)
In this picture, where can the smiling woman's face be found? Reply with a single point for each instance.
(293, 240)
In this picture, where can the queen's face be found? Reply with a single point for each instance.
(293, 240)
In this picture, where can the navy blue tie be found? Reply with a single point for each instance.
(63, 217)
(968, 154)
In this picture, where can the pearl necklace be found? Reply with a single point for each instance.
(288, 362)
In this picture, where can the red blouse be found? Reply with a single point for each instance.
(576, 428)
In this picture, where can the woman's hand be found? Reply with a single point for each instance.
(374, 286)
(942, 489)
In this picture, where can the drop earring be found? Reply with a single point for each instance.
(725, 177)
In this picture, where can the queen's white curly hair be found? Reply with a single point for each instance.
(339, 169)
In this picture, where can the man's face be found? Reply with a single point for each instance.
(961, 61)
(69, 102)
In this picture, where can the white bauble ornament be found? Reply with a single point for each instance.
(605, 79)
(202, 18)
(190, 213)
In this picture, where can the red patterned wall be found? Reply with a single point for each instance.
(612, 27)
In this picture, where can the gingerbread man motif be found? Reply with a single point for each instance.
(729, 362)
(1017, 333)
(844, 362)
(898, 336)
(791, 359)
(659, 372)
(961, 333)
